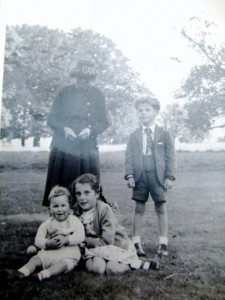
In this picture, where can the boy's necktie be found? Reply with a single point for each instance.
(149, 141)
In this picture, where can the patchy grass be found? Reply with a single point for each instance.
(195, 266)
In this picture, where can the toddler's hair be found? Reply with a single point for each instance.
(95, 185)
(154, 102)
(57, 191)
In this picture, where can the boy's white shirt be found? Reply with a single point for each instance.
(144, 135)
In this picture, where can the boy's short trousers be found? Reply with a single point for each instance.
(148, 184)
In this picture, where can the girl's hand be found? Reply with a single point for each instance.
(69, 133)
(57, 242)
(82, 245)
(53, 234)
(51, 243)
(62, 241)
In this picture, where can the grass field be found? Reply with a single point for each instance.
(195, 268)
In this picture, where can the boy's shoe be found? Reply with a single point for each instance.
(162, 250)
(154, 264)
(140, 252)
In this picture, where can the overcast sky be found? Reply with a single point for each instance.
(147, 31)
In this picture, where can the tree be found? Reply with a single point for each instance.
(174, 119)
(38, 62)
(205, 86)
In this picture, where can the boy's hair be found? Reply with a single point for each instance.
(154, 102)
(57, 191)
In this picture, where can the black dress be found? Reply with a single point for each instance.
(77, 109)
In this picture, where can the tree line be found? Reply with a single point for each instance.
(38, 61)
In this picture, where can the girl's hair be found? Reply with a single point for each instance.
(57, 191)
(95, 185)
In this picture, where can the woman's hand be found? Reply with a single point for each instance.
(69, 133)
(84, 134)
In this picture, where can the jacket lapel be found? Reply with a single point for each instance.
(138, 135)
(157, 133)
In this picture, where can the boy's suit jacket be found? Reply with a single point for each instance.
(164, 155)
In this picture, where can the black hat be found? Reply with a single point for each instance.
(84, 69)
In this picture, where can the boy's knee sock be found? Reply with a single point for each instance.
(136, 239)
(163, 240)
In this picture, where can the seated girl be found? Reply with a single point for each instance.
(107, 247)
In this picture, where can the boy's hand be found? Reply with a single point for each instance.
(168, 184)
(131, 182)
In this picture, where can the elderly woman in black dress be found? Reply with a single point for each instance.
(77, 117)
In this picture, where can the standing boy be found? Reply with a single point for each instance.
(150, 164)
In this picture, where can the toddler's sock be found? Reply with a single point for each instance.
(44, 274)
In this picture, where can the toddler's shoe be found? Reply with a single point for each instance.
(140, 252)
(162, 250)
(10, 275)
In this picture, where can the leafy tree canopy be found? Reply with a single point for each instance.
(204, 88)
(38, 61)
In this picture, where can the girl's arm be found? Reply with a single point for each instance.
(78, 234)
(108, 229)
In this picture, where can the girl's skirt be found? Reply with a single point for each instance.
(113, 253)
